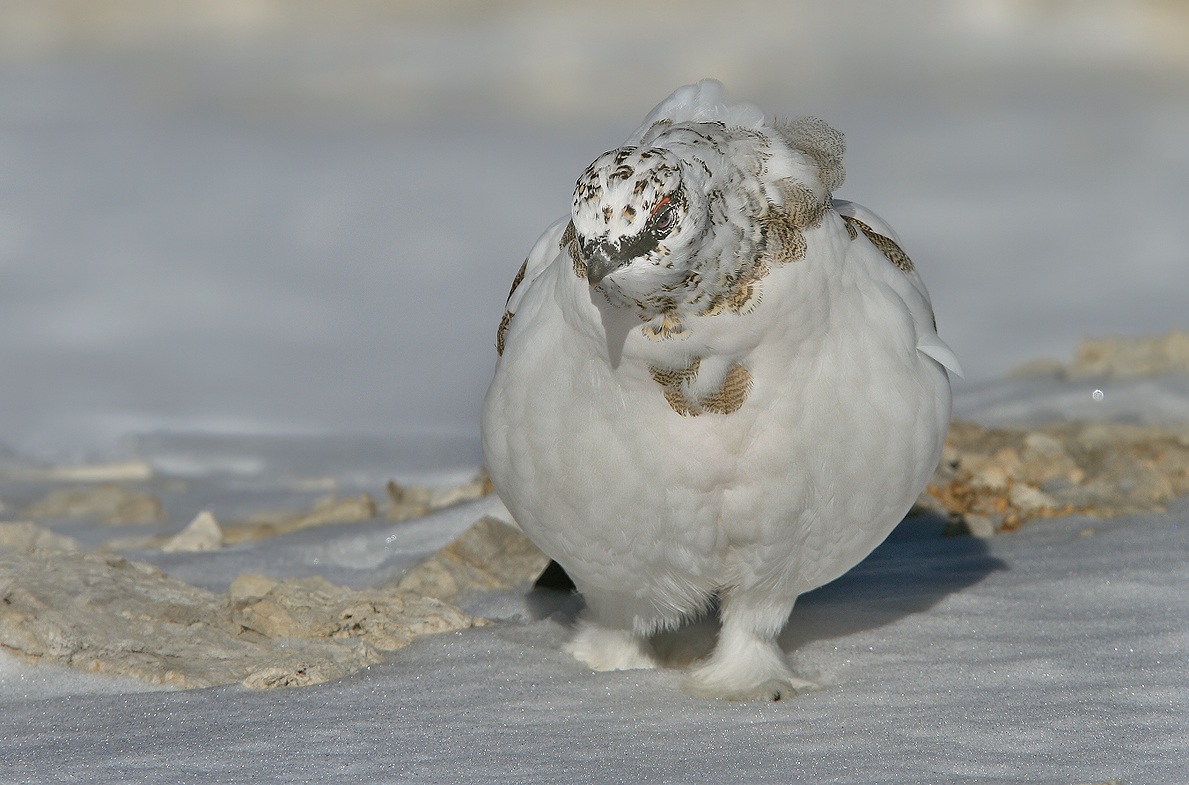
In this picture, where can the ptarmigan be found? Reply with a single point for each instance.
(716, 384)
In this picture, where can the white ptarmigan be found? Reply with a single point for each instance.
(716, 383)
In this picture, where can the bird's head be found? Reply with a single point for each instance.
(637, 218)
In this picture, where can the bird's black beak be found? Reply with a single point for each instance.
(603, 257)
(601, 260)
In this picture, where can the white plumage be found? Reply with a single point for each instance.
(715, 382)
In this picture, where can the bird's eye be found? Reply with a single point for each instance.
(663, 218)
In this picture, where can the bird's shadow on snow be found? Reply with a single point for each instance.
(916, 567)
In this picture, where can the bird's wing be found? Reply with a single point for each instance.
(547, 248)
(915, 295)
(855, 210)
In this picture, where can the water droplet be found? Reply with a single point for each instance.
(1097, 395)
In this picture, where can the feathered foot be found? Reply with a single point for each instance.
(610, 649)
(747, 664)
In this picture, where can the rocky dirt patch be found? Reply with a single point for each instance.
(106, 614)
(996, 479)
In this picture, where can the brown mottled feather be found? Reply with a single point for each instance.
(887, 246)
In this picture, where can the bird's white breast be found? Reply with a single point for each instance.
(841, 424)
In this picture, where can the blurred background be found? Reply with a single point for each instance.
(228, 217)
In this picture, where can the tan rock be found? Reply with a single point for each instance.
(335, 509)
(1011, 475)
(271, 677)
(1040, 443)
(1029, 500)
(28, 536)
(1119, 358)
(327, 510)
(413, 501)
(1042, 367)
(111, 503)
(408, 501)
(105, 614)
(201, 534)
(249, 586)
(114, 471)
(489, 555)
(475, 488)
(387, 618)
(109, 615)
(986, 472)
(270, 619)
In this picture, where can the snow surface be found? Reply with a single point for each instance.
(269, 258)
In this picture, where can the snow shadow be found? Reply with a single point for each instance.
(916, 567)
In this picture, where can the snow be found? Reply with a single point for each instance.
(1054, 655)
(267, 255)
